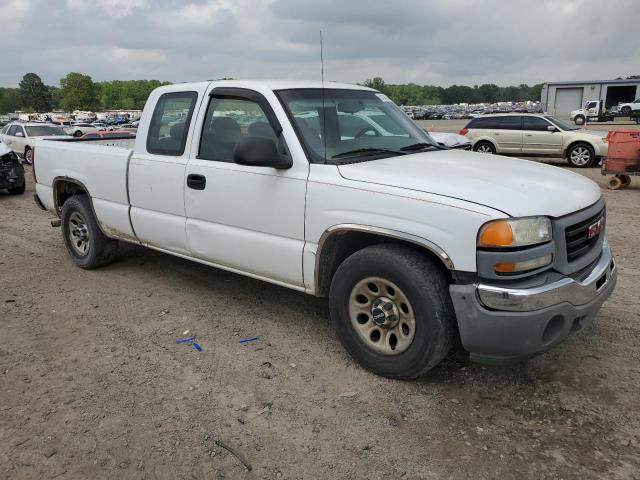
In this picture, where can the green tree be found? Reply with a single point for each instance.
(34, 94)
(10, 100)
(78, 92)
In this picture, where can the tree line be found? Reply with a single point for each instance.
(76, 92)
(412, 94)
(79, 92)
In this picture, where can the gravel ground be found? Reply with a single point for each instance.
(93, 385)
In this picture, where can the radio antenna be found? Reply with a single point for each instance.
(324, 128)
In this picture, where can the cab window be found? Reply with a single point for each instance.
(227, 121)
(169, 124)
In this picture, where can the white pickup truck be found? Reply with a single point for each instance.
(419, 248)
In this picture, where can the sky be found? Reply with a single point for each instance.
(445, 42)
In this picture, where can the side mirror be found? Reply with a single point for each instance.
(260, 152)
(551, 128)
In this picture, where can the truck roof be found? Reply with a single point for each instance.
(273, 84)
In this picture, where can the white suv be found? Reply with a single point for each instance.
(536, 135)
(627, 108)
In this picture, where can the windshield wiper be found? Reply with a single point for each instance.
(418, 146)
(366, 152)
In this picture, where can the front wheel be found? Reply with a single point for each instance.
(28, 155)
(625, 110)
(88, 247)
(484, 147)
(391, 309)
(581, 156)
(579, 120)
(77, 133)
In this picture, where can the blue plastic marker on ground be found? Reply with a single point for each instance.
(197, 346)
(186, 340)
(247, 340)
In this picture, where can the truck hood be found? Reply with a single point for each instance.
(516, 187)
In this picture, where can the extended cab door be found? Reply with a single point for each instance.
(157, 168)
(245, 218)
(538, 139)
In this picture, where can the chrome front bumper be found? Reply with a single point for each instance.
(576, 291)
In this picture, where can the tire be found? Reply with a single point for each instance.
(625, 110)
(626, 180)
(484, 147)
(28, 155)
(579, 120)
(615, 183)
(424, 327)
(18, 190)
(88, 247)
(581, 155)
(77, 133)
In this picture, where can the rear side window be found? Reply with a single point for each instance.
(510, 122)
(170, 123)
(485, 122)
(535, 123)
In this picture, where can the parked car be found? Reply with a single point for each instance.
(79, 129)
(418, 248)
(538, 135)
(627, 108)
(11, 171)
(21, 137)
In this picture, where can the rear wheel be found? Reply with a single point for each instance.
(28, 155)
(484, 147)
(392, 311)
(77, 133)
(581, 155)
(85, 242)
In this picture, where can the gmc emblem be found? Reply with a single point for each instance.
(595, 228)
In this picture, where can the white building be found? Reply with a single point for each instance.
(560, 98)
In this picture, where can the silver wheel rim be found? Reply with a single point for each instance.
(580, 156)
(484, 149)
(78, 234)
(29, 156)
(382, 316)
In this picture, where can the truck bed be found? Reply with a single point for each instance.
(100, 166)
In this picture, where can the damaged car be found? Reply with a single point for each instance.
(11, 171)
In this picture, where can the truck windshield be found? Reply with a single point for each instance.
(45, 131)
(345, 126)
(559, 123)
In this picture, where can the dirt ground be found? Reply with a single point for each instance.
(94, 386)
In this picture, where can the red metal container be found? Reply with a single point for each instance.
(623, 157)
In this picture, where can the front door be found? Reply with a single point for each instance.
(244, 218)
(538, 139)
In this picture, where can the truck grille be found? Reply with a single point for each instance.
(577, 237)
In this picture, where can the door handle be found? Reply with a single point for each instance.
(197, 182)
(528, 134)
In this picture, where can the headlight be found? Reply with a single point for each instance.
(517, 232)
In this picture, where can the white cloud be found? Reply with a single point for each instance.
(113, 8)
(440, 42)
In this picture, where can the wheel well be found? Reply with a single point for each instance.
(341, 244)
(578, 142)
(64, 189)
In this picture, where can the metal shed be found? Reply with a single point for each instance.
(560, 98)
